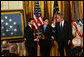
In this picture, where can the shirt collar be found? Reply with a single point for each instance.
(62, 23)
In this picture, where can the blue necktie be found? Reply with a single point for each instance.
(61, 26)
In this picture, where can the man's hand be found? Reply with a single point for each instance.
(55, 42)
(34, 34)
(25, 39)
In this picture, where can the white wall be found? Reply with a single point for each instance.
(11, 5)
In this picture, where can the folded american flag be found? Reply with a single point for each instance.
(12, 25)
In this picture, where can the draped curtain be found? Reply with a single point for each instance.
(80, 8)
(65, 7)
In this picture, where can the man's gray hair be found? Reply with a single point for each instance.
(61, 15)
(13, 48)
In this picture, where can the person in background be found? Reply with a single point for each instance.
(76, 49)
(63, 34)
(13, 50)
(31, 45)
(45, 43)
(5, 48)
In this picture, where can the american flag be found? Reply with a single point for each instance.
(11, 25)
(37, 16)
(56, 8)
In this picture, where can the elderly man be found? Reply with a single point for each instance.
(13, 50)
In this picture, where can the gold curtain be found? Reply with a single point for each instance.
(67, 11)
(48, 10)
(61, 6)
(45, 6)
(80, 9)
(65, 7)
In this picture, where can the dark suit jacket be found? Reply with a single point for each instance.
(47, 35)
(29, 35)
(64, 35)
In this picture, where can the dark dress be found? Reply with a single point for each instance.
(45, 44)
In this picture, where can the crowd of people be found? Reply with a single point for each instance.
(9, 49)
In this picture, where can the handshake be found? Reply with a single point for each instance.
(42, 37)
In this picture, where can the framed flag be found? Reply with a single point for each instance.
(12, 24)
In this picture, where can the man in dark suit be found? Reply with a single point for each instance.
(45, 43)
(29, 35)
(63, 34)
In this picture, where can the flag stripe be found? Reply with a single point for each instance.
(56, 9)
(37, 16)
(40, 20)
(35, 25)
(35, 21)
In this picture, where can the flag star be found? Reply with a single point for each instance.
(14, 23)
(11, 26)
(7, 30)
(3, 34)
(2, 27)
(6, 17)
(10, 20)
(15, 30)
(6, 23)
(2, 21)
(11, 33)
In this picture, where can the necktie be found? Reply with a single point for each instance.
(61, 26)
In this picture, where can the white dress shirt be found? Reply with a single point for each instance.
(62, 23)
